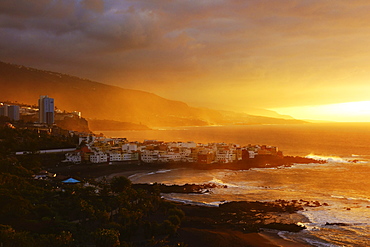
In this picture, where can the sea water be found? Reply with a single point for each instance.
(343, 183)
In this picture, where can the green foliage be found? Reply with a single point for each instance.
(43, 213)
(178, 212)
(64, 239)
(107, 238)
(119, 184)
(167, 228)
(10, 238)
(13, 140)
(13, 166)
(175, 220)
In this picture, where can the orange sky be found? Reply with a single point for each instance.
(213, 53)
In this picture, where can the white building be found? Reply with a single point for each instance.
(129, 147)
(185, 154)
(46, 110)
(115, 156)
(225, 156)
(86, 139)
(252, 154)
(99, 157)
(11, 111)
(171, 156)
(74, 157)
(149, 156)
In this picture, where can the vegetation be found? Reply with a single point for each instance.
(124, 106)
(50, 213)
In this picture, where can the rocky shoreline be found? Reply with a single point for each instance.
(186, 188)
(129, 168)
(236, 219)
(246, 223)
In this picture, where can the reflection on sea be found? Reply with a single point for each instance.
(342, 183)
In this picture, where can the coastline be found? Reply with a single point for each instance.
(128, 168)
(273, 237)
(237, 223)
(203, 236)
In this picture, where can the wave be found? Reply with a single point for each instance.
(222, 183)
(143, 174)
(354, 158)
(191, 202)
(319, 243)
(336, 159)
(351, 198)
(319, 218)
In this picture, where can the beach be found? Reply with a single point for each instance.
(199, 230)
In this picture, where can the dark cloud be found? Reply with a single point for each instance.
(94, 5)
(23, 8)
(260, 47)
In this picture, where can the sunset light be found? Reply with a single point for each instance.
(342, 112)
(184, 123)
(222, 55)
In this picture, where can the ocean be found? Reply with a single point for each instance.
(342, 183)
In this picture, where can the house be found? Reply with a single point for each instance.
(74, 157)
(99, 157)
(43, 175)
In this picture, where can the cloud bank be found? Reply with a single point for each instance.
(222, 54)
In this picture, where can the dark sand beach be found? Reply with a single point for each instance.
(200, 230)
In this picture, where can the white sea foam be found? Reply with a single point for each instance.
(191, 202)
(318, 243)
(305, 166)
(319, 217)
(330, 182)
(222, 183)
(330, 159)
(159, 171)
(143, 174)
(351, 198)
(354, 158)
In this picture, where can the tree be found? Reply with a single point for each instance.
(175, 220)
(9, 237)
(119, 184)
(107, 238)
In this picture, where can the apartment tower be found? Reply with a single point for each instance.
(11, 111)
(46, 110)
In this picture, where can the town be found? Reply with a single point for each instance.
(95, 149)
(100, 149)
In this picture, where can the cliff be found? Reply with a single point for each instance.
(100, 101)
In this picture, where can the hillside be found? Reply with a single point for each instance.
(100, 101)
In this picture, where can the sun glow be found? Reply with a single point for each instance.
(342, 112)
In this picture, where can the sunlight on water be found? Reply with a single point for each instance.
(341, 183)
(342, 140)
(332, 184)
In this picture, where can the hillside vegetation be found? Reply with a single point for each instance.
(100, 101)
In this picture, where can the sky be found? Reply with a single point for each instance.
(306, 58)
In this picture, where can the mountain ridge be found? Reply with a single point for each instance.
(97, 100)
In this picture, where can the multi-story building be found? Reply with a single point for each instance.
(11, 111)
(119, 149)
(205, 158)
(115, 156)
(150, 156)
(73, 157)
(129, 147)
(46, 110)
(4, 110)
(99, 157)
